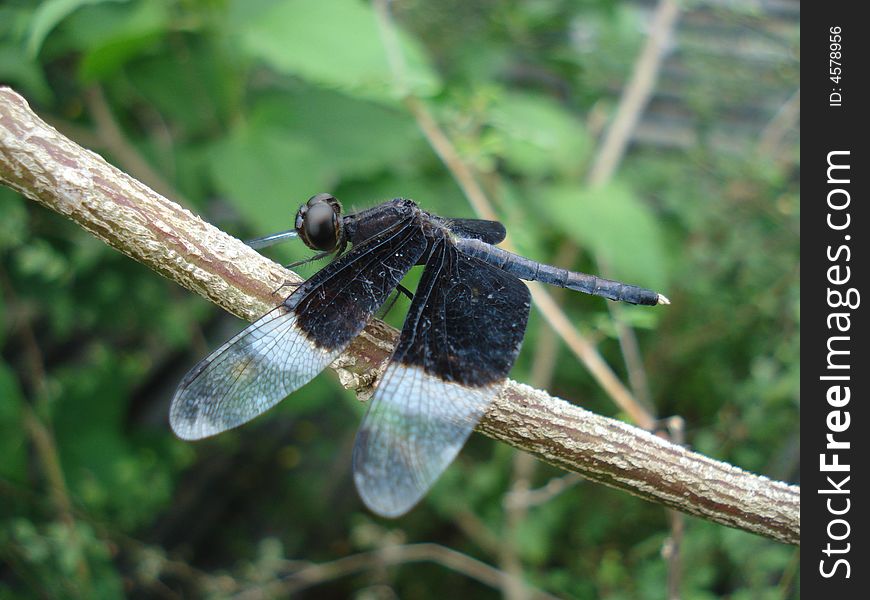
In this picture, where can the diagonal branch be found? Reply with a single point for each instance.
(45, 166)
(582, 348)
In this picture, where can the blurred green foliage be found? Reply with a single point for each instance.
(245, 109)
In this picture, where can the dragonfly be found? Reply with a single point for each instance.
(461, 336)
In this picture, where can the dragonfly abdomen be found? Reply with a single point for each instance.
(530, 270)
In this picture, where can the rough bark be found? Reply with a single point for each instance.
(45, 166)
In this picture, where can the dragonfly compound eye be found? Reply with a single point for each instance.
(321, 222)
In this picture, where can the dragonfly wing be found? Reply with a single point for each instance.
(290, 345)
(460, 339)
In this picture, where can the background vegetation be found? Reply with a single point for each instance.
(240, 111)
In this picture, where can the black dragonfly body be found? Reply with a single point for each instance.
(460, 338)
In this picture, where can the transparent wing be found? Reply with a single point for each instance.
(459, 341)
(290, 345)
(415, 427)
(246, 376)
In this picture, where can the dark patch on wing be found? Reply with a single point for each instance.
(461, 337)
(336, 303)
(467, 321)
(491, 232)
(294, 342)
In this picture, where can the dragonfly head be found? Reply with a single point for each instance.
(319, 222)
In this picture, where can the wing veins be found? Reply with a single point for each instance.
(358, 253)
(375, 260)
(418, 421)
(274, 356)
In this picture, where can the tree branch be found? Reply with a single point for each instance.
(45, 166)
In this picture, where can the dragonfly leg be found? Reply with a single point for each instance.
(305, 261)
(405, 291)
(400, 289)
(287, 283)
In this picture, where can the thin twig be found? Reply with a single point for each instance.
(151, 562)
(389, 556)
(636, 94)
(514, 515)
(476, 530)
(785, 120)
(788, 575)
(41, 435)
(522, 472)
(524, 465)
(673, 547)
(634, 98)
(545, 493)
(631, 356)
(554, 315)
(112, 139)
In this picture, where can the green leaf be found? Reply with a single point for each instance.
(13, 219)
(436, 193)
(39, 259)
(539, 136)
(109, 35)
(209, 78)
(355, 138)
(614, 224)
(336, 44)
(99, 454)
(47, 16)
(263, 171)
(24, 73)
(299, 143)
